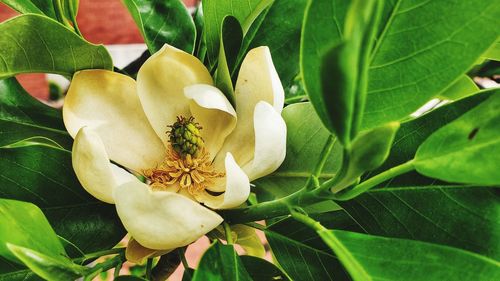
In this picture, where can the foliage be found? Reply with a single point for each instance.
(367, 191)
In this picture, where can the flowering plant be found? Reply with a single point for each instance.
(306, 139)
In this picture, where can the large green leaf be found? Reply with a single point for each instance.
(279, 28)
(44, 176)
(300, 251)
(466, 150)
(460, 216)
(407, 65)
(221, 262)
(381, 258)
(22, 225)
(305, 140)
(163, 22)
(414, 132)
(315, 42)
(216, 10)
(34, 43)
(23, 117)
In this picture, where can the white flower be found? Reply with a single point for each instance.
(112, 117)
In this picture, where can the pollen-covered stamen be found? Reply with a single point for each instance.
(187, 164)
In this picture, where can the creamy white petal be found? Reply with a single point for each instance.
(92, 167)
(162, 220)
(161, 82)
(213, 112)
(237, 188)
(257, 81)
(107, 102)
(270, 142)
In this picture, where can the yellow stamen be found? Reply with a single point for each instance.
(189, 172)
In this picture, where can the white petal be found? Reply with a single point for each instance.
(161, 82)
(93, 169)
(107, 102)
(215, 114)
(237, 188)
(257, 81)
(162, 220)
(270, 142)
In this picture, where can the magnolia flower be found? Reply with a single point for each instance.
(195, 151)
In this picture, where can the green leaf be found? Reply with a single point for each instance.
(163, 22)
(188, 274)
(34, 43)
(408, 259)
(279, 27)
(48, 267)
(28, 7)
(465, 217)
(344, 73)
(305, 140)
(230, 42)
(23, 117)
(369, 150)
(466, 150)
(260, 269)
(302, 254)
(221, 262)
(462, 88)
(407, 68)
(414, 132)
(216, 10)
(22, 225)
(493, 53)
(44, 176)
(315, 43)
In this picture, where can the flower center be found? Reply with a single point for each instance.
(187, 164)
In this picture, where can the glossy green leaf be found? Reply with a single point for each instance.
(466, 150)
(414, 132)
(344, 73)
(34, 43)
(369, 150)
(381, 258)
(462, 88)
(493, 53)
(407, 67)
(44, 176)
(188, 274)
(279, 27)
(200, 48)
(302, 254)
(306, 137)
(23, 117)
(315, 43)
(48, 267)
(260, 269)
(22, 224)
(216, 10)
(11, 273)
(464, 217)
(163, 22)
(221, 262)
(231, 37)
(28, 7)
